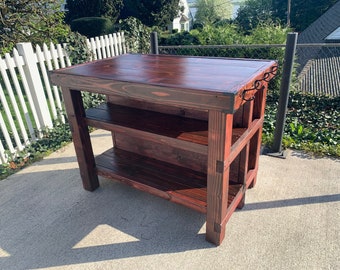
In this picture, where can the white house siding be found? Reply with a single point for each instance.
(184, 20)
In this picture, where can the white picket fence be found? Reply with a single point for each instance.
(28, 101)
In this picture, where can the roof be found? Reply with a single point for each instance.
(184, 19)
(322, 27)
(321, 76)
(319, 66)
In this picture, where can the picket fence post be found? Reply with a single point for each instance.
(35, 85)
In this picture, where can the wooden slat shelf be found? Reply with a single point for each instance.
(148, 121)
(120, 118)
(174, 183)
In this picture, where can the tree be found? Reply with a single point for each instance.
(93, 8)
(36, 21)
(253, 12)
(137, 35)
(151, 13)
(303, 12)
(211, 11)
(111, 8)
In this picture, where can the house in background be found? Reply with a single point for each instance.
(319, 66)
(236, 5)
(184, 20)
(63, 6)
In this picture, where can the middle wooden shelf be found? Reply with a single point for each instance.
(138, 121)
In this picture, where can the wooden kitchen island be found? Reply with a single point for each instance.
(187, 129)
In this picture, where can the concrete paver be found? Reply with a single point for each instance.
(291, 220)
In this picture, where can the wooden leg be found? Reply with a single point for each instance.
(81, 138)
(220, 135)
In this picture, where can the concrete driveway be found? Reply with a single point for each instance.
(291, 220)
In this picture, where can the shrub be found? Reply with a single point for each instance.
(312, 123)
(77, 48)
(230, 34)
(92, 26)
(138, 35)
(52, 140)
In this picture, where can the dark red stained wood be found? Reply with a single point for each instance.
(255, 141)
(175, 152)
(244, 139)
(174, 183)
(181, 127)
(177, 140)
(201, 74)
(145, 105)
(81, 138)
(117, 117)
(153, 122)
(220, 139)
(247, 118)
(196, 82)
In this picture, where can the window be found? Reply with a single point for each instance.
(334, 36)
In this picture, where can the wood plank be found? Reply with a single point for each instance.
(115, 117)
(220, 125)
(163, 150)
(155, 177)
(167, 109)
(192, 82)
(174, 183)
(255, 142)
(244, 138)
(218, 75)
(244, 154)
(153, 122)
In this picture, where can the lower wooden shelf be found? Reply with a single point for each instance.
(171, 182)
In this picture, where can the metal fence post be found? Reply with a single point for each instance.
(154, 43)
(276, 149)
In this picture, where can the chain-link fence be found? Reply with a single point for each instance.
(317, 65)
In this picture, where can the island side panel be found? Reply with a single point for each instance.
(255, 142)
(240, 165)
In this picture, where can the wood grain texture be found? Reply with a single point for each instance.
(171, 138)
(162, 108)
(153, 122)
(181, 185)
(182, 127)
(192, 82)
(255, 142)
(218, 182)
(81, 138)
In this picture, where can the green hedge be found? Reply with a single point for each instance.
(92, 26)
